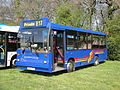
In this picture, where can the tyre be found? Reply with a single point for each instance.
(96, 61)
(12, 63)
(13, 60)
(70, 66)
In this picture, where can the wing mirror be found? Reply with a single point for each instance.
(34, 45)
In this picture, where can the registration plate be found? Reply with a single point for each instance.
(30, 68)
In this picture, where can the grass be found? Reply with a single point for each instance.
(105, 76)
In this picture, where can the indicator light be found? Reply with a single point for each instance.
(45, 55)
(18, 54)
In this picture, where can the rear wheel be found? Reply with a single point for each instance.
(70, 66)
(96, 61)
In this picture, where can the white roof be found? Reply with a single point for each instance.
(9, 28)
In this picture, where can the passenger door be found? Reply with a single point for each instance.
(2, 50)
(58, 48)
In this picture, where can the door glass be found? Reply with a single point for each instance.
(2, 49)
(58, 48)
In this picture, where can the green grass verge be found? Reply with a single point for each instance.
(105, 76)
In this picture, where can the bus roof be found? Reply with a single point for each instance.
(64, 27)
(46, 23)
(9, 28)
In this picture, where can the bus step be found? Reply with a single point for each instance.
(58, 69)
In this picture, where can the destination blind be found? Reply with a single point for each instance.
(33, 23)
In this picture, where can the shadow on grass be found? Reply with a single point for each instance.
(4, 68)
(56, 73)
(50, 74)
(44, 73)
(87, 66)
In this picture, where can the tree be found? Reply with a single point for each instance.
(6, 12)
(70, 14)
(113, 27)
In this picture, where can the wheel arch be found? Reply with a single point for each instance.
(96, 55)
(71, 59)
(12, 58)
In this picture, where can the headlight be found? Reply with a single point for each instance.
(17, 59)
(45, 61)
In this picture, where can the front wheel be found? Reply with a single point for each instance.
(12, 63)
(96, 61)
(70, 66)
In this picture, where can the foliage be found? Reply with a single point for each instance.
(17, 10)
(113, 27)
(70, 14)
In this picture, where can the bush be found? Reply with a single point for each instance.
(113, 51)
(114, 38)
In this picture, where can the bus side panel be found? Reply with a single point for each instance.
(102, 54)
(80, 57)
(85, 57)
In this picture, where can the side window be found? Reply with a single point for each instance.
(82, 40)
(71, 40)
(89, 41)
(95, 42)
(12, 42)
(102, 42)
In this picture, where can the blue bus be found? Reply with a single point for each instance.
(50, 47)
